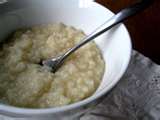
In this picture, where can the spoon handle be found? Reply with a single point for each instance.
(116, 19)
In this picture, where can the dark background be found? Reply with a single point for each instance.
(144, 28)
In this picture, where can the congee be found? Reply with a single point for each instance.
(26, 83)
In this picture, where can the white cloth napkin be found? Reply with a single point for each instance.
(136, 96)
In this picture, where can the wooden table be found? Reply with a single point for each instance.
(144, 28)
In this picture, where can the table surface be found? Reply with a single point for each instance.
(144, 28)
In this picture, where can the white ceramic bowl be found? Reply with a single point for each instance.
(114, 44)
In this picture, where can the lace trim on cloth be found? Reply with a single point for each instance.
(136, 96)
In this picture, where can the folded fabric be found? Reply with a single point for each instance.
(135, 97)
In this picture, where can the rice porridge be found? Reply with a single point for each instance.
(25, 83)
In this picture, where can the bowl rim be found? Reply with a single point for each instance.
(12, 110)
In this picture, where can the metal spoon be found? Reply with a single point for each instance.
(56, 62)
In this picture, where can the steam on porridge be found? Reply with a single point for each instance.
(25, 83)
